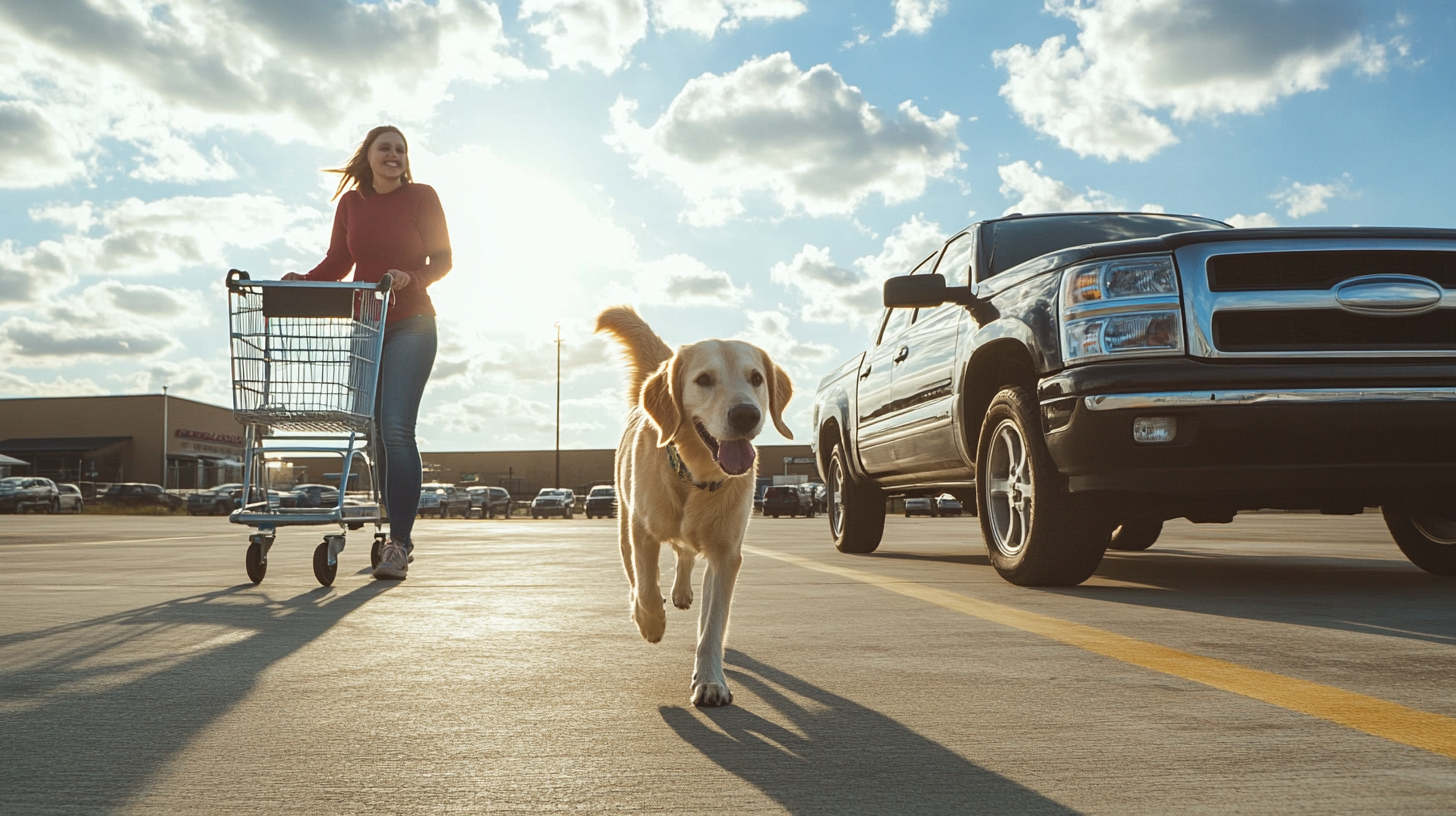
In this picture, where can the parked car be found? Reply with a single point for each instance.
(1091, 375)
(444, 501)
(820, 494)
(601, 502)
(216, 501)
(276, 499)
(947, 505)
(21, 493)
(140, 494)
(493, 501)
(71, 501)
(920, 506)
(553, 502)
(788, 500)
(315, 495)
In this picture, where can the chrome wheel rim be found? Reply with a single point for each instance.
(836, 499)
(1009, 491)
(1436, 527)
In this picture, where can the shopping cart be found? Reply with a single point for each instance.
(305, 357)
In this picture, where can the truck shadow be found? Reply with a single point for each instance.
(94, 709)
(1379, 597)
(834, 756)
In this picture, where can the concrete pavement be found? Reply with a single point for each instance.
(141, 673)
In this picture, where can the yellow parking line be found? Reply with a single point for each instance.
(1381, 718)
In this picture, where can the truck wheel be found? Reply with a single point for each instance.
(1427, 538)
(1135, 535)
(1034, 536)
(856, 510)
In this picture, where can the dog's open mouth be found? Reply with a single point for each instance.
(735, 456)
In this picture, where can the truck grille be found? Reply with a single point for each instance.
(1257, 271)
(1332, 330)
(1281, 298)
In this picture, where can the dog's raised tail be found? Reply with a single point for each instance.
(645, 350)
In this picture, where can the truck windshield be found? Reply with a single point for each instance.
(1018, 240)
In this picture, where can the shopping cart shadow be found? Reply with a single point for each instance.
(93, 710)
(834, 756)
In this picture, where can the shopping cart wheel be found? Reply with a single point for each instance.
(322, 569)
(256, 561)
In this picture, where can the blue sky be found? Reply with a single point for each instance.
(733, 168)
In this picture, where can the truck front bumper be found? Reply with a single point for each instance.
(1249, 441)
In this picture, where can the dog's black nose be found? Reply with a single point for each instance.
(744, 418)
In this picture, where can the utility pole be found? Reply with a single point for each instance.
(164, 437)
(558, 404)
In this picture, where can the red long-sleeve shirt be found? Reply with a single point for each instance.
(402, 229)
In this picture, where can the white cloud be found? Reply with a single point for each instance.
(679, 280)
(806, 137)
(832, 294)
(517, 421)
(1136, 58)
(155, 78)
(916, 16)
(16, 385)
(705, 17)
(1299, 200)
(1262, 219)
(598, 33)
(1039, 193)
(205, 380)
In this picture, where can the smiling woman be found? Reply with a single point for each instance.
(387, 225)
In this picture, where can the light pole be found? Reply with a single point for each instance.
(164, 437)
(558, 404)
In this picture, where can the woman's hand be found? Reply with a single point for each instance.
(401, 279)
(294, 276)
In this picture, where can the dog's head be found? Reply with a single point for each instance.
(710, 399)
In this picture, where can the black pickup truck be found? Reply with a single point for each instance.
(1079, 378)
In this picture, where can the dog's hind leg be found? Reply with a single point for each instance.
(682, 582)
(624, 541)
(710, 687)
(647, 601)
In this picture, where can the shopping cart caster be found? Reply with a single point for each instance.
(326, 559)
(374, 551)
(257, 558)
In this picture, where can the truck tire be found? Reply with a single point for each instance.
(856, 509)
(1135, 535)
(1428, 539)
(1034, 535)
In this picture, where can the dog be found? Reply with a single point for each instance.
(686, 470)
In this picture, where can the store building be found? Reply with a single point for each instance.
(153, 438)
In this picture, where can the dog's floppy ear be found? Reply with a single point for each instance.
(780, 391)
(659, 400)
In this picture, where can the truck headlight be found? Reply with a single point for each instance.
(1123, 306)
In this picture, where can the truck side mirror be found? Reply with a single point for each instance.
(924, 291)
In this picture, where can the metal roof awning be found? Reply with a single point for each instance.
(10, 461)
(60, 444)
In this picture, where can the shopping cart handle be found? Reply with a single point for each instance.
(385, 283)
(235, 275)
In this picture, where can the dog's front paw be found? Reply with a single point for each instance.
(682, 597)
(711, 695)
(651, 620)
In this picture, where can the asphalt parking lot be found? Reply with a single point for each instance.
(1280, 664)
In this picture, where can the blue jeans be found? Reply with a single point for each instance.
(404, 368)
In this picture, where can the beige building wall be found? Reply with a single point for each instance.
(192, 429)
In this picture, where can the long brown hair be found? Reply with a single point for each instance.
(357, 174)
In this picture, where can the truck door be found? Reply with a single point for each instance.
(923, 388)
(874, 397)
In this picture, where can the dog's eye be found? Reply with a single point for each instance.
(755, 379)
(704, 380)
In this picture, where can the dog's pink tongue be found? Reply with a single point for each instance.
(735, 456)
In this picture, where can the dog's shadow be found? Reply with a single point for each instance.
(835, 756)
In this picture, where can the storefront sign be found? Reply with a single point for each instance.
(226, 439)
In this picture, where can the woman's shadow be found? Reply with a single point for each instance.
(838, 757)
(94, 710)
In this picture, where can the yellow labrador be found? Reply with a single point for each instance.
(685, 475)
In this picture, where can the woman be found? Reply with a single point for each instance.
(387, 223)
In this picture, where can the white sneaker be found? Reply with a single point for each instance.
(393, 561)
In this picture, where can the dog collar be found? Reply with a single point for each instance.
(682, 471)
